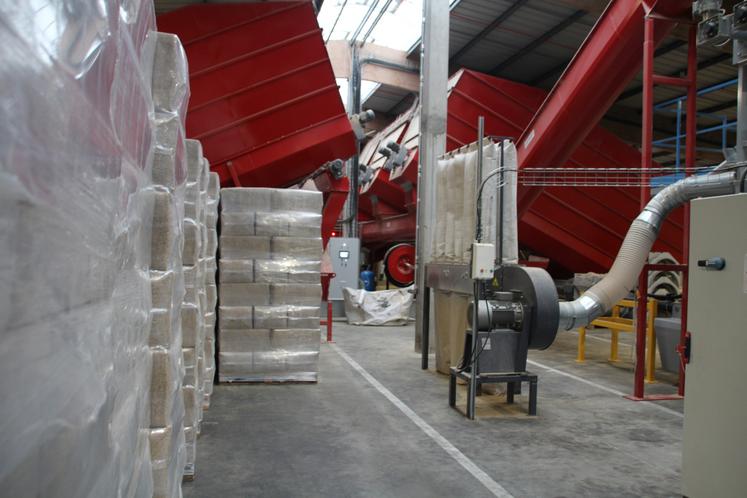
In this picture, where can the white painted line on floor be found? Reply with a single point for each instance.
(603, 388)
(444, 443)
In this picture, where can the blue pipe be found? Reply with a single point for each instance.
(699, 149)
(709, 89)
(723, 126)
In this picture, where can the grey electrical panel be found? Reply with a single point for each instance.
(715, 444)
(345, 254)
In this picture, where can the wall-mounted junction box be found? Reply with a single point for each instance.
(483, 261)
(345, 256)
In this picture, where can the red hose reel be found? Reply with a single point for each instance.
(399, 264)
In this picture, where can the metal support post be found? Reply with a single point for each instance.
(434, 73)
(329, 321)
(647, 133)
(642, 311)
(426, 344)
(474, 369)
(350, 227)
(741, 143)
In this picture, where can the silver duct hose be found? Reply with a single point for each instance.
(635, 249)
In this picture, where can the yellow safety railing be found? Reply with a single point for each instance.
(616, 324)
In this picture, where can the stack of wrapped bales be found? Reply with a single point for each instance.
(195, 298)
(269, 285)
(170, 93)
(89, 224)
(211, 267)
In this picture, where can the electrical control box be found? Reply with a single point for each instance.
(715, 437)
(483, 261)
(344, 254)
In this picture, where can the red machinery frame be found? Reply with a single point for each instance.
(583, 228)
(330, 181)
(264, 101)
(690, 83)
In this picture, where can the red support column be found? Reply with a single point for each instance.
(329, 321)
(649, 80)
(647, 132)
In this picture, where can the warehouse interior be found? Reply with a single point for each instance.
(373, 248)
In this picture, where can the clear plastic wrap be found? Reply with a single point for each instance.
(235, 271)
(195, 304)
(244, 247)
(76, 154)
(211, 268)
(280, 355)
(171, 323)
(270, 291)
(286, 270)
(244, 294)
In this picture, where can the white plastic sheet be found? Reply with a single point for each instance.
(385, 307)
(195, 298)
(76, 151)
(173, 325)
(457, 195)
(211, 267)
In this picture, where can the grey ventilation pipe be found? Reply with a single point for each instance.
(635, 249)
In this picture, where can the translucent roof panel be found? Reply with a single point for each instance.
(367, 89)
(391, 23)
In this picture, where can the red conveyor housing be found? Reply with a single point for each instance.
(579, 229)
(264, 101)
(606, 62)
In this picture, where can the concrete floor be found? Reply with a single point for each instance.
(342, 437)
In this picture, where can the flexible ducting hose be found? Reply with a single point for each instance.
(635, 249)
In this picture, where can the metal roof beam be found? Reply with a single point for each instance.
(661, 131)
(486, 31)
(701, 65)
(664, 49)
(547, 74)
(720, 107)
(538, 41)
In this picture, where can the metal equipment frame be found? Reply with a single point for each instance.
(690, 84)
(616, 324)
(474, 383)
(455, 277)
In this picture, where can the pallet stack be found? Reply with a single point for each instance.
(169, 89)
(195, 299)
(211, 268)
(270, 292)
(76, 208)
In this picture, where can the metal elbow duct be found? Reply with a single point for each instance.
(637, 244)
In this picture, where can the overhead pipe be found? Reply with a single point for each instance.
(635, 249)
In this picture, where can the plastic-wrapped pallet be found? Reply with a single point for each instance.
(76, 206)
(269, 285)
(211, 267)
(195, 299)
(205, 298)
(169, 328)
